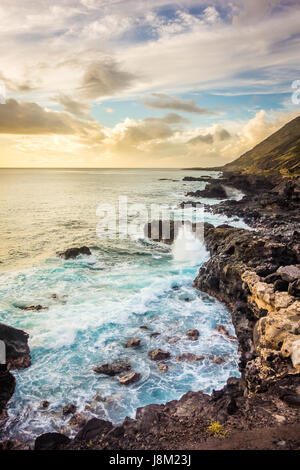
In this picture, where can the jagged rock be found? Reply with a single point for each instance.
(129, 378)
(51, 441)
(193, 334)
(212, 190)
(115, 368)
(33, 307)
(223, 331)
(74, 252)
(77, 420)
(289, 273)
(7, 388)
(133, 343)
(163, 367)
(13, 444)
(217, 360)
(93, 428)
(294, 288)
(159, 355)
(69, 409)
(154, 335)
(17, 349)
(189, 357)
(44, 404)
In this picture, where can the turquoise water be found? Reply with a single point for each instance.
(101, 301)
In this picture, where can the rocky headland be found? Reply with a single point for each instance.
(256, 273)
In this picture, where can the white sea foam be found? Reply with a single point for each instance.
(189, 248)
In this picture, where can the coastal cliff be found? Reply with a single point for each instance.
(256, 273)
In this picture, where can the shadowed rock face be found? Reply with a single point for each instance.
(17, 349)
(17, 357)
(7, 388)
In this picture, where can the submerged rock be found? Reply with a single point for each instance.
(221, 329)
(77, 420)
(133, 343)
(33, 307)
(44, 404)
(189, 357)
(72, 253)
(163, 367)
(193, 334)
(159, 355)
(69, 409)
(114, 368)
(129, 378)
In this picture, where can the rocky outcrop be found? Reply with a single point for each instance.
(17, 356)
(114, 368)
(212, 190)
(72, 253)
(17, 349)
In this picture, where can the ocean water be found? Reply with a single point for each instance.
(94, 304)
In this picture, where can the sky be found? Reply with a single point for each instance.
(132, 83)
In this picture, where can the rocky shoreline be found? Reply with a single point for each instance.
(257, 274)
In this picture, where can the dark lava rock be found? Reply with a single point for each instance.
(159, 355)
(17, 350)
(51, 441)
(129, 378)
(281, 285)
(115, 368)
(189, 357)
(33, 307)
(133, 343)
(289, 273)
(154, 335)
(163, 367)
(7, 388)
(93, 428)
(221, 329)
(44, 404)
(69, 409)
(294, 288)
(212, 190)
(77, 420)
(74, 252)
(193, 335)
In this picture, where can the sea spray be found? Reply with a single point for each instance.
(189, 247)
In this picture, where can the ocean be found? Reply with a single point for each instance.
(94, 304)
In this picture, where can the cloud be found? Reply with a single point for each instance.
(104, 78)
(218, 134)
(163, 101)
(31, 119)
(72, 106)
(201, 139)
(170, 118)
